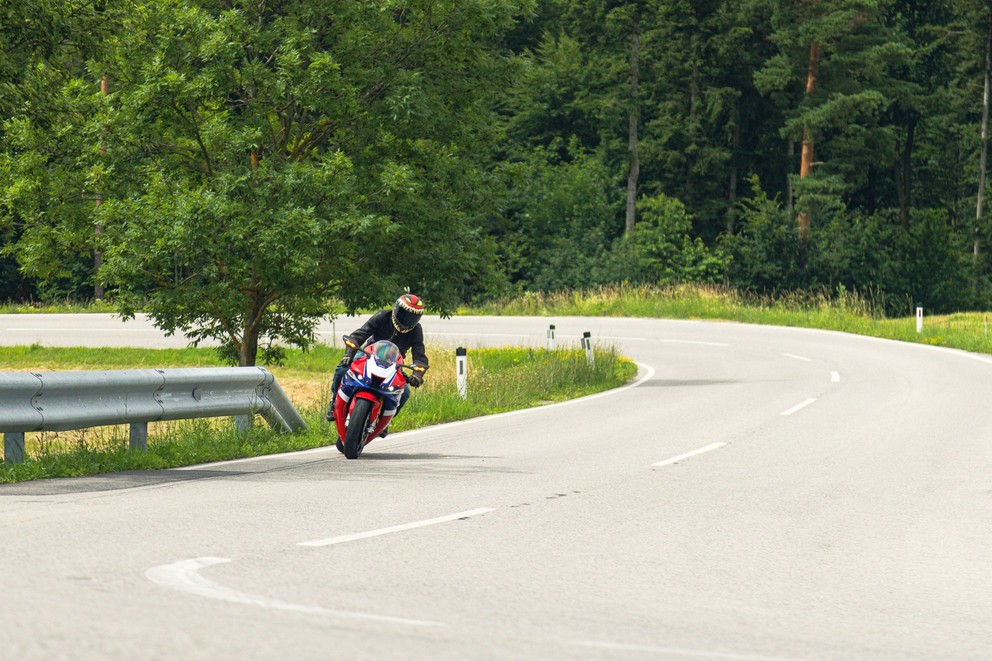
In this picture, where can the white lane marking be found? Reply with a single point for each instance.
(802, 358)
(706, 344)
(406, 526)
(799, 407)
(835, 377)
(433, 428)
(674, 460)
(184, 576)
(496, 416)
(675, 651)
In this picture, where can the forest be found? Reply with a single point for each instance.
(232, 167)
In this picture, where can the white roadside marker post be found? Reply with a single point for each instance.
(461, 362)
(587, 345)
(919, 318)
(551, 338)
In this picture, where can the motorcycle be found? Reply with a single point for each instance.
(369, 394)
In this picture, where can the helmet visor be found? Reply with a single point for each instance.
(405, 320)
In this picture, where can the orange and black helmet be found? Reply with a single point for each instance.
(407, 312)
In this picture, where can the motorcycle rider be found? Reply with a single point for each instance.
(401, 326)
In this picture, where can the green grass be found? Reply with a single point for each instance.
(500, 379)
(51, 307)
(842, 311)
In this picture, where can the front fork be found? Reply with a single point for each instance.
(342, 415)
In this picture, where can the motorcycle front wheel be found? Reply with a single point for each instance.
(354, 436)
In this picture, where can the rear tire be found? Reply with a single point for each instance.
(354, 436)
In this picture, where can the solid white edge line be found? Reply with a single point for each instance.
(799, 407)
(794, 356)
(385, 531)
(581, 400)
(673, 460)
(184, 576)
(445, 425)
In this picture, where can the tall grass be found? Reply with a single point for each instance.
(851, 312)
(64, 306)
(499, 380)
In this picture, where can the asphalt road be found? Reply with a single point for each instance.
(759, 493)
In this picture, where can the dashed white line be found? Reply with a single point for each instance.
(406, 526)
(795, 357)
(835, 377)
(184, 576)
(674, 460)
(799, 407)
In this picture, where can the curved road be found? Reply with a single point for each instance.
(760, 493)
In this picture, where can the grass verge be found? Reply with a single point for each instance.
(841, 311)
(500, 380)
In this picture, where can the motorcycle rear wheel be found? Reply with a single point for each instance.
(354, 436)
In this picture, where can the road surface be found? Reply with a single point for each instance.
(757, 493)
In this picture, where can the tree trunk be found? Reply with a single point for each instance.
(248, 350)
(255, 310)
(633, 119)
(732, 186)
(692, 154)
(985, 138)
(98, 291)
(806, 164)
(790, 155)
(904, 175)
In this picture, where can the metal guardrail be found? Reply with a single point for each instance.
(60, 401)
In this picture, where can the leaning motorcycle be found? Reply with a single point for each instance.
(369, 394)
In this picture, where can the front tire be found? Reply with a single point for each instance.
(354, 436)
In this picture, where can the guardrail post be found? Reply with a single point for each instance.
(243, 422)
(138, 436)
(13, 447)
(461, 360)
(587, 345)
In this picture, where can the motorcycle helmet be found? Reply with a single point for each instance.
(407, 312)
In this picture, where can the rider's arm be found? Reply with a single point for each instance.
(365, 331)
(417, 347)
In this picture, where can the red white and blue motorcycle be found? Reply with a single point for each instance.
(369, 394)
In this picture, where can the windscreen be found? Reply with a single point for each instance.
(385, 352)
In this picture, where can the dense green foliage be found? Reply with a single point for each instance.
(252, 161)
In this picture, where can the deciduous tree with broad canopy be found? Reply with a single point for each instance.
(260, 159)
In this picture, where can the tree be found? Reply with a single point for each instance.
(262, 158)
(43, 45)
(834, 71)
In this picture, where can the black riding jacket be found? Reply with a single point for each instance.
(380, 327)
